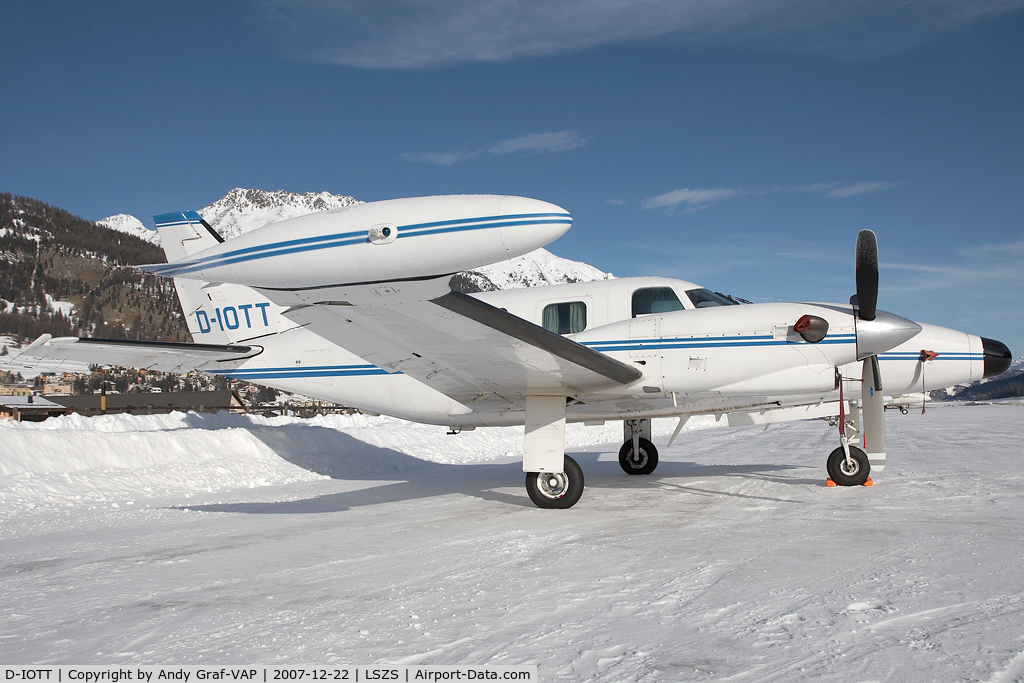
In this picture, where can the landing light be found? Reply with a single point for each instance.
(382, 234)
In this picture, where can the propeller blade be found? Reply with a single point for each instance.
(873, 414)
(876, 372)
(867, 274)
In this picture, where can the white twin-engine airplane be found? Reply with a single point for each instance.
(354, 306)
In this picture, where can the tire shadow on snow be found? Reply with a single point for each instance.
(402, 477)
(675, 476)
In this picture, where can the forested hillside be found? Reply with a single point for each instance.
(68, 276)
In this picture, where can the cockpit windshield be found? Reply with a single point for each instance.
(705, 298)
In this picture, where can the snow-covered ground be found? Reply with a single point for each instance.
(233, 539)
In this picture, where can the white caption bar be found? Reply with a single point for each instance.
(265, 674)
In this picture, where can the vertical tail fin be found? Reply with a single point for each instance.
(215, 313)
(184, 233)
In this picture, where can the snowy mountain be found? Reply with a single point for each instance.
(122, 222)
(242, 210)
(536, 269)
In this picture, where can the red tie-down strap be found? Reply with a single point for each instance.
(925, 356)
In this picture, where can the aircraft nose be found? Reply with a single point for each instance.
(531, 223)
(997, 357)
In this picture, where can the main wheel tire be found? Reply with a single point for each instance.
(556, 490)
(852, 474)
(644, 464)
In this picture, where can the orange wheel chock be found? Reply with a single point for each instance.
(867, 482)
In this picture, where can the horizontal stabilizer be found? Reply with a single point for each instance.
(150, 355)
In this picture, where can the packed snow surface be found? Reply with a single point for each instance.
(202, 539)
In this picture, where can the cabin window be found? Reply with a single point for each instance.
(567, 318)
(655, 300)
(703, 298)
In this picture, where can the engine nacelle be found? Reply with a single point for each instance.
(387, 241)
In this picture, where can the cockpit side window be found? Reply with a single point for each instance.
(705, 298)
(565, 318)
(655, 300)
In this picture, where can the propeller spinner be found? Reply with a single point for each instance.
(877, 331)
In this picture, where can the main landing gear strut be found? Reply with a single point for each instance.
(553, 479)
(556, 490)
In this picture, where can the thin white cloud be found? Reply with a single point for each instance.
(407, 34)
(441, 158)
(843, 191)
(701, 198)
(540, 143)
(1007, 251)
(533, 143)
(697, 198)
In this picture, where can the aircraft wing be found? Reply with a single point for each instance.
(466, 349)
(52, 353)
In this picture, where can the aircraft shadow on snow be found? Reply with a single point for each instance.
(340, 456)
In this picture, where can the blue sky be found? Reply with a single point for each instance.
(739, 144)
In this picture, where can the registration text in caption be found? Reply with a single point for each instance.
(265, 674)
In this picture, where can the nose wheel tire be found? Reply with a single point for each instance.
(643, 462)
(844, 473)
(556, 490)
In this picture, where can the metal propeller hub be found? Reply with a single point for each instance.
(884, 332)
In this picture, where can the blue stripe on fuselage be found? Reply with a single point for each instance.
(704, 342)
(256, 374)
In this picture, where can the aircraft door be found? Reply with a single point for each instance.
(645, 348)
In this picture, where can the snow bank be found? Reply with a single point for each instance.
(116, 459)
(71, 460)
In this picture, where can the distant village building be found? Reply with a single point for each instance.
(153, 403)
(29, 408)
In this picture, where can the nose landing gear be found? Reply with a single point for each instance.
(848, 471)
(638, 455)
(643, 460)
